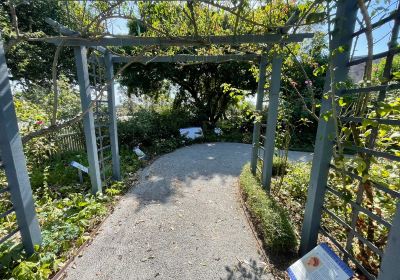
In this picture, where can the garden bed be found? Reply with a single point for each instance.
(271, 222)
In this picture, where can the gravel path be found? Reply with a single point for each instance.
(183, 220)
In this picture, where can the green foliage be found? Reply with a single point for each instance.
(155, 131)
(236, 125)
(291, 192)
(295, 182)
(34, 110)
(56, 172)
(378, 69)
(306, 79)
(270, 219)
(176, 19)
(65, 211)
(63, 221)
(208, 89)
(204, 89)
(36, 103)
(31, 62)
(31, 118)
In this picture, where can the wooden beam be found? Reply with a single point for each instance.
(176, 41)
(186, 58)
(14, 162)
(259, 106)
(272, 121)
(88, 119)
(116, 169)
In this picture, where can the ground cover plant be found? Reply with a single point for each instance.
(67, 214)
(271, 219)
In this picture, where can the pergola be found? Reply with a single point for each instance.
(17, 174)
(71, 38)
(342, 35)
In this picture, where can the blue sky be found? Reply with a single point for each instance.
(382, 34)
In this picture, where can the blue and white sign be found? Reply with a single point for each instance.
(320, 263)
(79, 166)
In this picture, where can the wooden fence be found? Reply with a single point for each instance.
(70, 139)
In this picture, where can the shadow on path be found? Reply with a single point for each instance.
(169, 175)
(249, 270)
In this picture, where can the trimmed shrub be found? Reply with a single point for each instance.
(270, 219)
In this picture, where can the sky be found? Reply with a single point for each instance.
(381, 35)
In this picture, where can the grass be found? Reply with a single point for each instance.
(270, 219)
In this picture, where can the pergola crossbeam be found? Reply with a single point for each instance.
(186, 58)
(176, 41)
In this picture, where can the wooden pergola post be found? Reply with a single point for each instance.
(272, 119)
(259, 105)
(346, 15)
(116, 170)
(88, 120)
(14, 162)
(389, 266)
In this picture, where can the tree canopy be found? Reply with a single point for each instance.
(30, 62)
(201, 87)
(209, 89)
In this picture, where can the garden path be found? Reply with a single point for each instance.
(183, 220)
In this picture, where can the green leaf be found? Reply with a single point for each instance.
(341, 102)
(315, 17)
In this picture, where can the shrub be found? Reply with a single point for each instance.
(296, 180)
(56, 171)
(270, 219)
(279, 166)
(156, 132)
(291, 191)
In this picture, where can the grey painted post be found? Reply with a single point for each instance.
(259, 105)
(88, 121)
(344, 27)
(15, 164)
(390, 262)
(113, 116)
(272, 118)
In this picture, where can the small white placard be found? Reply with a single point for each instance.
(139, 152)
(79, 166)
(320, 263)
(191, 132)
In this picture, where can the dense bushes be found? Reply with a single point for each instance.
(271, 220)
(155, 131)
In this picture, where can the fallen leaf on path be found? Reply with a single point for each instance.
(138, 222)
